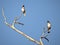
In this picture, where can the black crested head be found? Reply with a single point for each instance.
(23, 6)
(48, 21)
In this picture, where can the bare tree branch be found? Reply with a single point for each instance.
(16, 18)
(41, 43)
(20, 32)
(3, 15)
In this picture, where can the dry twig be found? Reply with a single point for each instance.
(20, 32)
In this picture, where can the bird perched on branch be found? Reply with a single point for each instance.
(48, 26)
(23, 10)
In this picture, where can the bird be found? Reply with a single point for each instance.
(23, 10)
(48, 26)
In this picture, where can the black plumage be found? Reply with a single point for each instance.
(19, 23)
(45, 38)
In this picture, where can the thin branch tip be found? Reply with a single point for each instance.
(3, 15)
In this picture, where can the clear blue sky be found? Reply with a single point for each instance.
(37, 13)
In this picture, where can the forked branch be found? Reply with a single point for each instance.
(20, 32)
